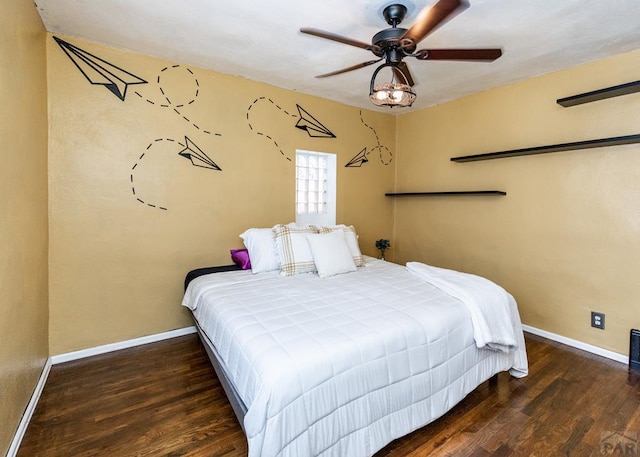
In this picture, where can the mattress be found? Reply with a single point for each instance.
(342, 366)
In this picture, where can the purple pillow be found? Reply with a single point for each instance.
(241, 258)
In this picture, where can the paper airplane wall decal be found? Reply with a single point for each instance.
(98, 71)
(359, 159)
(197, 156)
(313, 127)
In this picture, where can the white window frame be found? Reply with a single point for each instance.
(328, 216)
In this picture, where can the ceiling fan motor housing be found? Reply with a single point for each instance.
(388, 40)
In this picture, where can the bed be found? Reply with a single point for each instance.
(342, 366)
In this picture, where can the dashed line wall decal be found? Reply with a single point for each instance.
(171, 98)
(98, 71)
(384, 153)
(266, 135)
(178, 88)
(189, 151)
(305, 121)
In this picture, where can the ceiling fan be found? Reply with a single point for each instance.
(396, 43)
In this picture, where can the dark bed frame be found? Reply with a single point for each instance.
(239, 408)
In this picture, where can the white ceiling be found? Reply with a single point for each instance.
(260, 39)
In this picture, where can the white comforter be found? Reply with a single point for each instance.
(344, 365)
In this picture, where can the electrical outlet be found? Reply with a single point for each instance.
(597, 320)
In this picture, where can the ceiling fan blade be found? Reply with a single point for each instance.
(354, 67)
(431, 18)
(487, 55)
(340, 39)
(404, 75)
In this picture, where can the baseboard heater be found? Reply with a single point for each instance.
(634, 350)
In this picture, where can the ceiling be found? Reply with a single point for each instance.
(260, 40)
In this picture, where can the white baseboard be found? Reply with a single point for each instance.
(81, 354)
(577, 344)
(28, 412)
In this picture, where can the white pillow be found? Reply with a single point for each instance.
(352, 241)
(331, 253)
(262, 249)
(293, 250)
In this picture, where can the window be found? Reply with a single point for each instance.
(315, 188)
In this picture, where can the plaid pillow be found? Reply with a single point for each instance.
(294, 250)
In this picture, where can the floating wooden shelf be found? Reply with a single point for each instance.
(600, 94)
(588, 144)
(445, 194)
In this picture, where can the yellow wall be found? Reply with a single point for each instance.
(116, 264)
(23, 211)
(566, 238)
(564, 241)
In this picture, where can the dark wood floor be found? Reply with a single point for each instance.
(163, 399)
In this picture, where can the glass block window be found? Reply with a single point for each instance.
(311, 184)
(315, 187)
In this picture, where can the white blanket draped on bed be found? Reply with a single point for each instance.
(489, 304)
(342, 366)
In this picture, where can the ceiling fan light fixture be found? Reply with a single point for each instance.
(391, 94)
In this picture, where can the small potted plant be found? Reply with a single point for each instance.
(382, 246)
